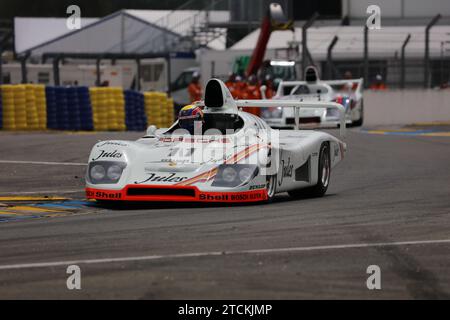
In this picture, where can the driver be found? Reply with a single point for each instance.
(191, 119)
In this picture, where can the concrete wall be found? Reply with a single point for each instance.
(392, 107)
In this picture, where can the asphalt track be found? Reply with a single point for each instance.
(388, 205)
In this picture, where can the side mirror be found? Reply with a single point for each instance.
(151, 131)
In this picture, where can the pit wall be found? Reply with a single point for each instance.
(38, 107)
(402, 107)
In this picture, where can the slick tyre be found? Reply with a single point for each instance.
(359, 122)
(324, 175)
(271, 185)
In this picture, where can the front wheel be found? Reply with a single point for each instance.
(271, 184)
(323, 178)
(359, 122)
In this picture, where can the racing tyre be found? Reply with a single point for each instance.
(359, 122)
(271, 185)
(323, 179)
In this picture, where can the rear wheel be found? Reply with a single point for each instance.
(323, 178)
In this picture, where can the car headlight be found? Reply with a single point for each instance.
(114, 172)
(229, 174)
(274, 112)
(245, 174)
(97, 172)
(105, 172)
(234, 175)
(332, 113)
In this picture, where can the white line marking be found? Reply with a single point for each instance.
(44, 163)
(217, 253)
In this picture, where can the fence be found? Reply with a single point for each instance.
(391, 71)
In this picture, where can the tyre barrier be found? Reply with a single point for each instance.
(135, 117)
(108, 109)
(85, 109)
(23, 107)
(159, 109)
(39, 107)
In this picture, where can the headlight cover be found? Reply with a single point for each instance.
(105, 172)
(272, 113)
(333, 113)
(234, 175)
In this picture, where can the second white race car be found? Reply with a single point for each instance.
(348, 93)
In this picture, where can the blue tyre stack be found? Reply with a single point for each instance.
(135, 118)
(142, 117)
(50, 96)
(62, 109)
(73, 109)
(84, 100)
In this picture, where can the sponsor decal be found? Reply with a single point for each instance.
(195, 140)
(245, 196)
(256, 187)
(105, 154)
(173, 163)
(154, 177)
(287, 169)
(112, 143)
(106, 195)
(224, 197)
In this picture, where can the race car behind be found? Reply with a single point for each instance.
(348, 93)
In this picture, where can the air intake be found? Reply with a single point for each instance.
(189, 193)
(214, 94)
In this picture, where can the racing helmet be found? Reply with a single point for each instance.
(190, 116)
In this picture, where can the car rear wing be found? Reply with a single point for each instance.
(338, 85)
(296, 105)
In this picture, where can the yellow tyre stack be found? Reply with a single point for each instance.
(41, 106)
(99, 106)
(20, 107)
(108, 109)
(31, 108)
(152, 110)
(156, 108)
(162, 121)
(9, 118)
(116, 109)
(103, 104)
(169, 116)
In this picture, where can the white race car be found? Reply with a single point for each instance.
(235, 157)
(348, 93)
